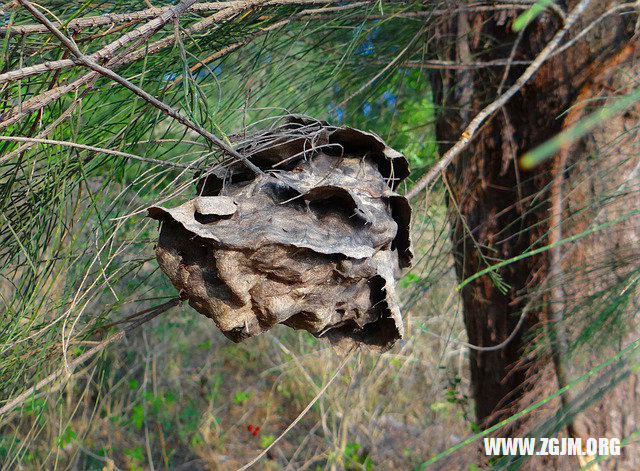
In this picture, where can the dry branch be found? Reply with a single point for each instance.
(53, 125)
(107, 52)
(442, 64)
(79, 24)
(166, 109)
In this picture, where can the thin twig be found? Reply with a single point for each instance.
(510, 60)
(302, 414)
(492, 348)
(106, 52)
(384, 70)
(43, 99)
(109, 19)
(133, 316)
(443, 64)
(166, 109)
(469, 133)
(90, 148)
(584, 31)
(463, 77)
(79, 24)
(9, 406)
(436, 12)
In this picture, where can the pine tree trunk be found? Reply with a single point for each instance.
(505, 209)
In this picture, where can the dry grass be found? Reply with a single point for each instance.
(176, 394)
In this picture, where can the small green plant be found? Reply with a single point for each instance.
(189, 418)
(266, 440)
(355, 456)
(137, 416)
(136, 457)
(408, 280)
(454, 395)
(309, 339)
(440, 406)
(66, 436)
(240, 397)
(284, 390)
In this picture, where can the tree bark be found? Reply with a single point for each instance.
(498, 211)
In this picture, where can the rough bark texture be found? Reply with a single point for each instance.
(316, 242)
(506, 208)
(598, 291)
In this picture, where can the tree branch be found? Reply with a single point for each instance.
(79, 24)
(166, 109)
(106, 52)
(469, 133)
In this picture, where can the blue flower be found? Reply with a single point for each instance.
(366, 109)
(339, 114)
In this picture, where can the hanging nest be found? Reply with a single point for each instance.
(316, 242)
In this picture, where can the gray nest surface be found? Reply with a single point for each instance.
(316, 242)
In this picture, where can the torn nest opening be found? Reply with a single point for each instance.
(316, 242)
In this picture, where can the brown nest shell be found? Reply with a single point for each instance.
(316, 242)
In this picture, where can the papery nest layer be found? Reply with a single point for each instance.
(316, 242)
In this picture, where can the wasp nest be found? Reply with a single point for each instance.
(316, 242)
